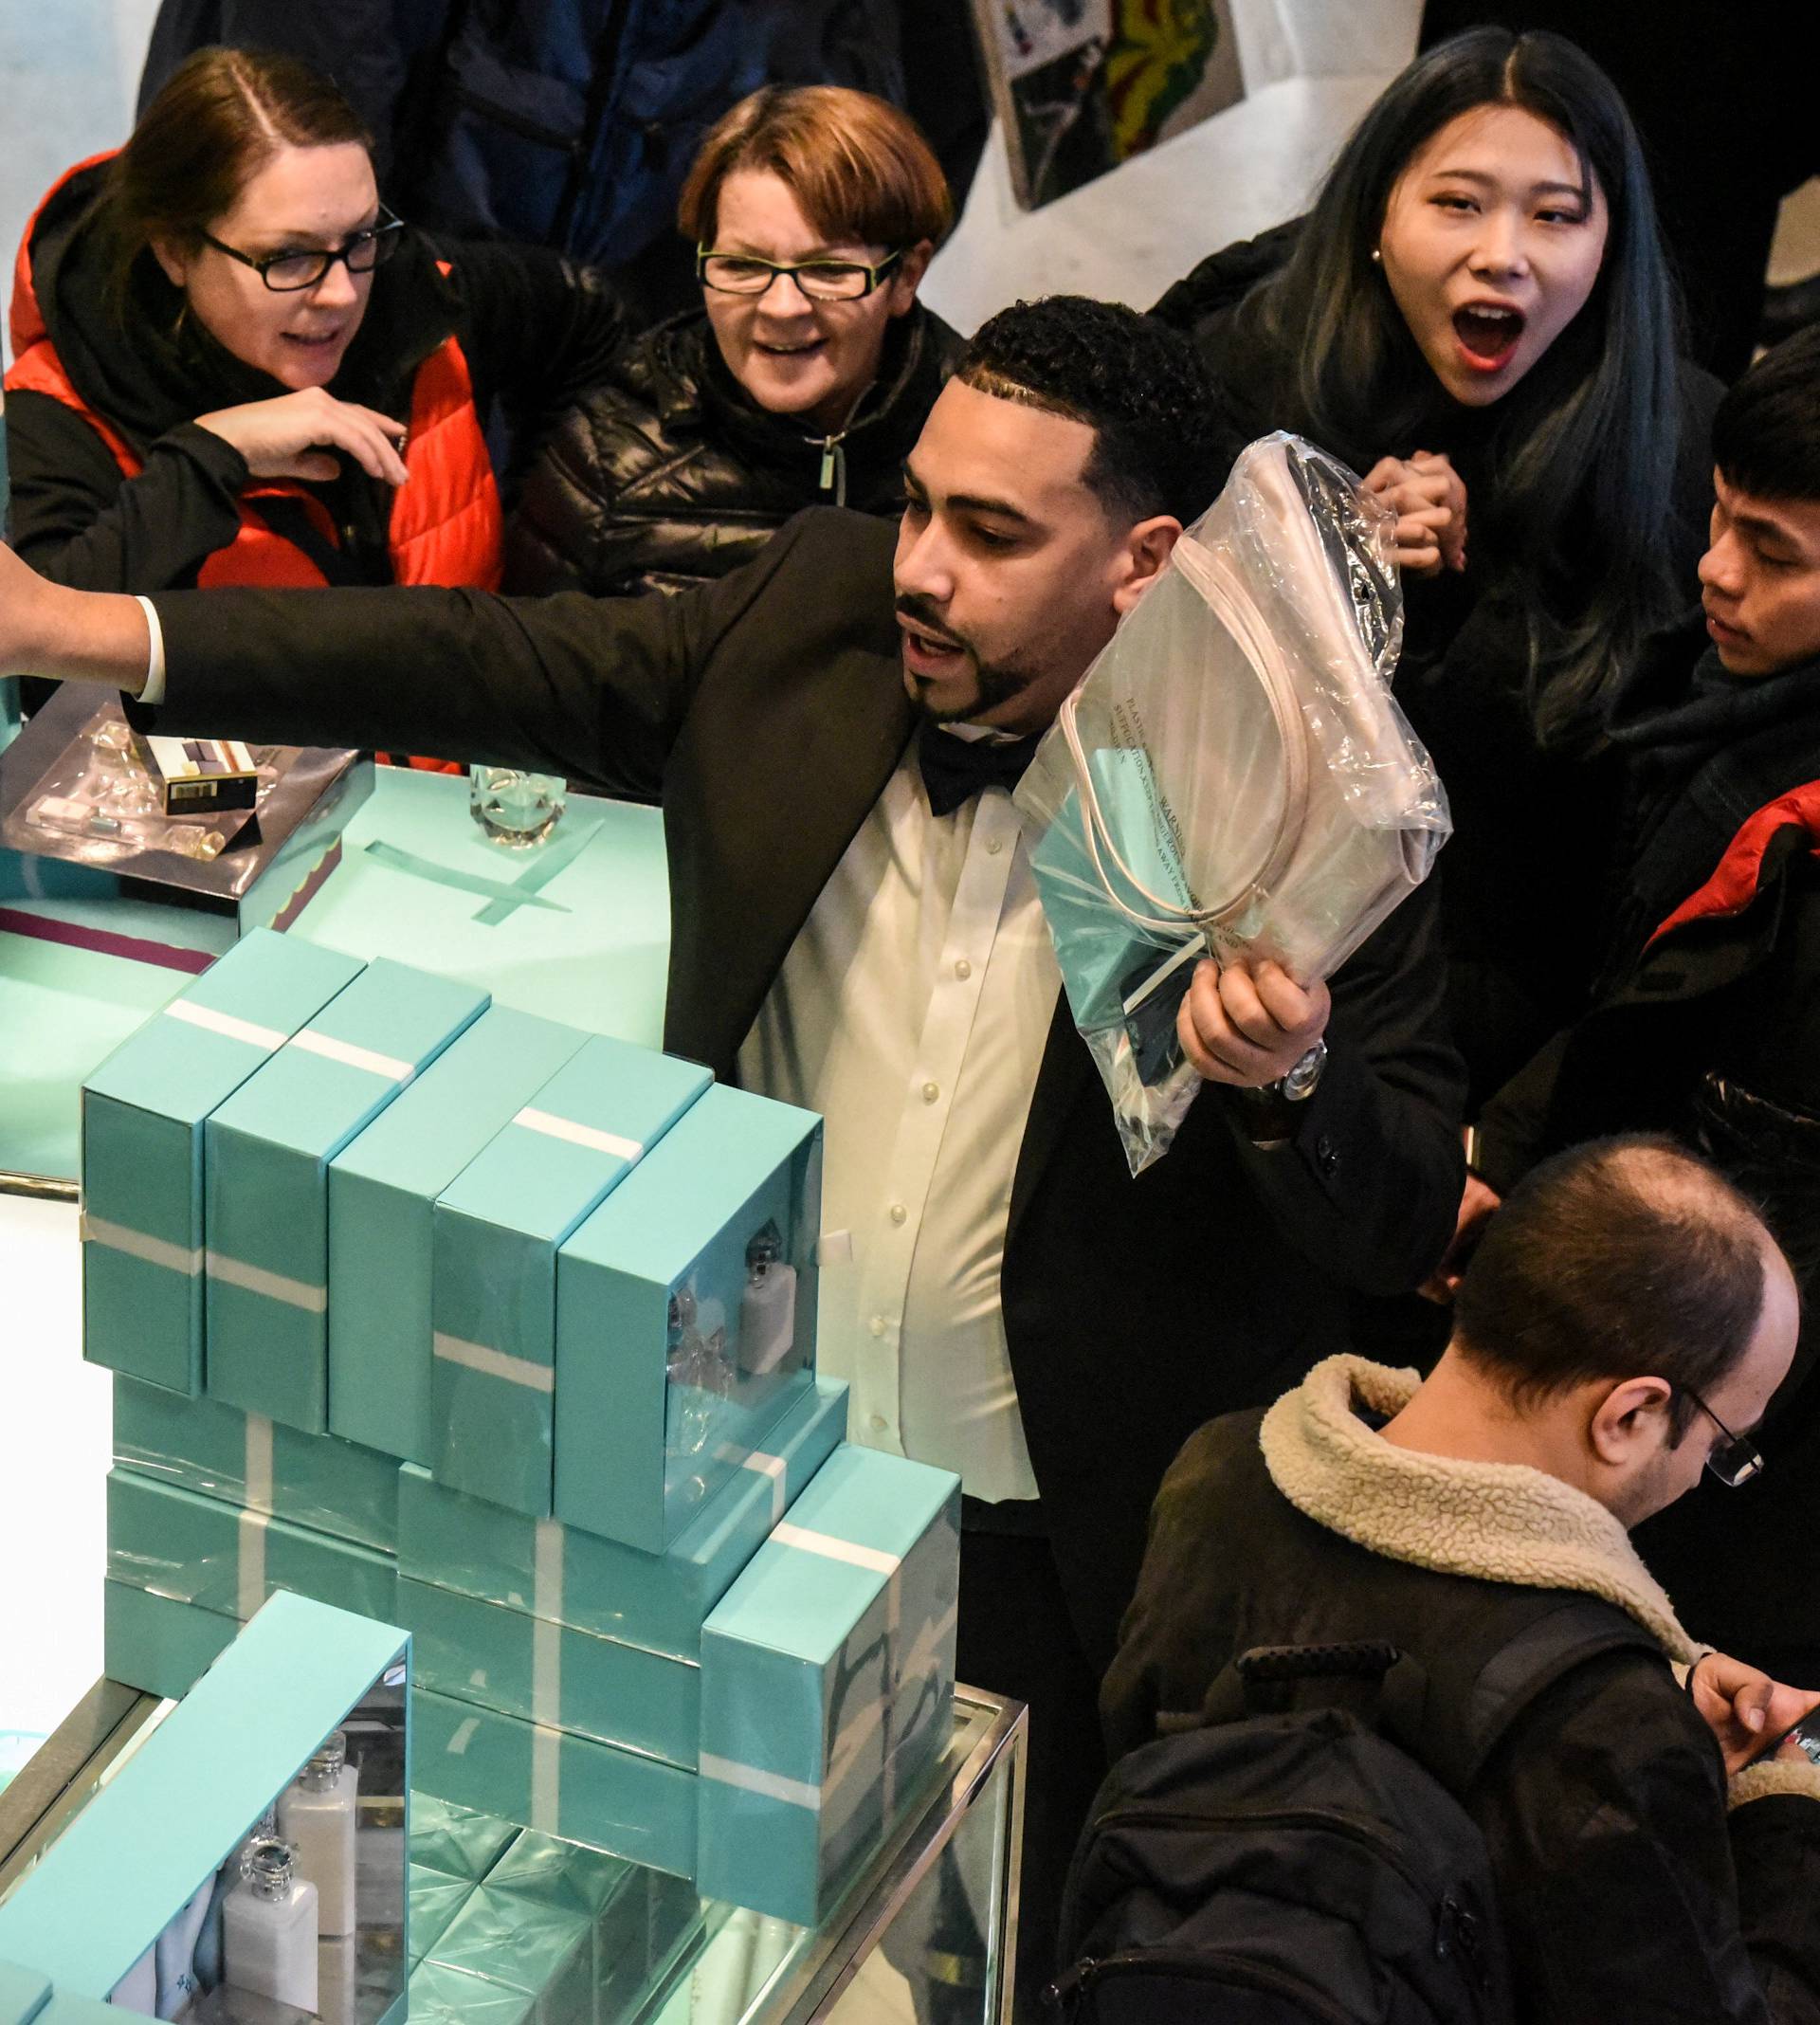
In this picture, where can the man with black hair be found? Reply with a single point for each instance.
(1620, 1330)
(1706, 1021)
(833, 732)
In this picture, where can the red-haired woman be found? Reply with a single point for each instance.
(232, 365)
(803, 379)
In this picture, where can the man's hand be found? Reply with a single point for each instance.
(292, 436)
(87, 635)
(1429, 497)
(1246, 1024)
(1745, 1708)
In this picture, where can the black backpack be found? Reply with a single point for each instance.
(1311, 1865)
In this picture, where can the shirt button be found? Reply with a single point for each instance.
(996, 845)
(878, 1325)
(899, 1213)
(875, 1422)
(963, 970)
(931, 1092)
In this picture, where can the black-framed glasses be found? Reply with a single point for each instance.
(822, 281)
(1733, 1461)
(286, 273)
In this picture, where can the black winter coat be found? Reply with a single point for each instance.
(1521, 876)
(1711, 1030)
(669, 474)
(1626, 1891)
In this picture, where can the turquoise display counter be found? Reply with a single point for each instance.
(577, 930)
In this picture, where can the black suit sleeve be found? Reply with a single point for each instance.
(568, 684)
(79, 520)
(1369, 1184)
(1619, 1871)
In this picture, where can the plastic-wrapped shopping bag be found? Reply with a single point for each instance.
(1232, 776)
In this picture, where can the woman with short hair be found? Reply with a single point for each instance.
(802, 380)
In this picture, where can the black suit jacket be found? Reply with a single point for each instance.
(768, 710)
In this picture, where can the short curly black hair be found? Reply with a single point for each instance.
(1164, 438)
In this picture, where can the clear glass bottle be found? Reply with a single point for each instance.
(268, 1928)
(768, 1305)
(316, 1815)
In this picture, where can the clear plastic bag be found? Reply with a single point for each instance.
(1232, 776)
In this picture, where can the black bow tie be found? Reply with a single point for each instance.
(955, 769)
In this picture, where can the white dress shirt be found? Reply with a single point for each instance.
(912, 1012)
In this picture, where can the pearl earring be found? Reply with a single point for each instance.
(1377, 256)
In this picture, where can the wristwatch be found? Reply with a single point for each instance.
(1301, 1081)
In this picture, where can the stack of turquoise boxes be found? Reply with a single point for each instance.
(462, 1318)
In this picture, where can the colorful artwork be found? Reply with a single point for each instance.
(1082, 85)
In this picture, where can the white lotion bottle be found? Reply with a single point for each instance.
(316, 1815)
(768, 1305)
(268, 1928)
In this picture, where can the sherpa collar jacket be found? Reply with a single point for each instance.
(1633, 1884)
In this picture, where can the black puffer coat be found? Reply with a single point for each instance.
(669, 474)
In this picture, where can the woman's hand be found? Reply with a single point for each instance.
(1429, 497)
(292, 435)
(1745, 1708)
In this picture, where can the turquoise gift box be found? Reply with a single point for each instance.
(498, 1227)
(268, 1147)
(157, 1645)
(544, 1673)
(382, 1195)
(147, 1840)
(638, 1808)
(685, 1318)
(23, 1994)
(218, 1451)
(545, 1952)
(143, 1115)
(826, 1670)
(570, 1576)
(229, 1559)
(442, 1996)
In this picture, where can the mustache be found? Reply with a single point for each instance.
(921, 612)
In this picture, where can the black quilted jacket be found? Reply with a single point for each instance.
(667, 474)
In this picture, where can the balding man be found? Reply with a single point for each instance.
(1621, 1330)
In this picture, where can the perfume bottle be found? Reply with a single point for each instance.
(316, 1815)
(767, 1306)
(268, 1928)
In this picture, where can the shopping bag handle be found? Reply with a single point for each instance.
(1220, 587)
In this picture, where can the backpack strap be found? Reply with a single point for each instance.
(1487, 1678)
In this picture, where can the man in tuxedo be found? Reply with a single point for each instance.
(832, 733)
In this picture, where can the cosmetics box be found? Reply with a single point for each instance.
(229, 1559)
(442, 1996)
(382, 1195)
(555, 1873)
(545, 1951)
(218, 1451)
(573, 1577)
(434, 1901)
(544, 1673)
(458, 1841)
(266, 1180)
(827, 1676)
(23, 1994)
(685, 1318)
(196, 776)
(72, 852)
(175, 1811)
(638, 1808)
(143, 1114)
(498, 1227)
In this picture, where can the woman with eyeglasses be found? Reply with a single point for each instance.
(233, 365)
(802, 380)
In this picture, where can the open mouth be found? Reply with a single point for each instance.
(313, 340)
(1487, 334)
(930, 653)
(790, 351)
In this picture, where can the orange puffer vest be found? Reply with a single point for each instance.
(447, 525)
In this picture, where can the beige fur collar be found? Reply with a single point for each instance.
(1499, 1521)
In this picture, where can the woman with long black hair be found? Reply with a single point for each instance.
(1477, 313)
